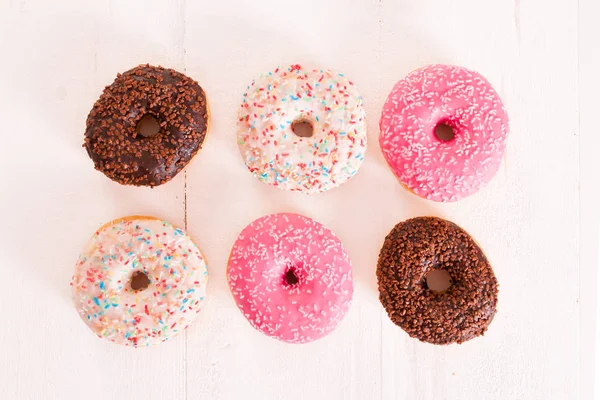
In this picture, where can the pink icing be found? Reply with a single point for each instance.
(291, 277)
(439, 170)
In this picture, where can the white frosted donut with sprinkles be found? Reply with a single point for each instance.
(139, 281)
(302, 130)
(291, 277)
(443, 132)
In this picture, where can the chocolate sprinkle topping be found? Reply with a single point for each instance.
(112, 139)
(414, 248)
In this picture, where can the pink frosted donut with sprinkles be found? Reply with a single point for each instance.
(443, 132)
(139, 281)
(291, 277)
(302, 130)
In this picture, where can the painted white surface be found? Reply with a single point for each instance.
(57, 56)
(589, 65)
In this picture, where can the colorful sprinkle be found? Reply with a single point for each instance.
(326, 100)
(102, 288)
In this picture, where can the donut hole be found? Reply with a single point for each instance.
(444, 132)
(148, 126)
(302, 128)
(438, 280)
(139, 281)
(290, 278)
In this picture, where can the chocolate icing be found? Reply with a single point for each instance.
(112, 140)
(414, 248)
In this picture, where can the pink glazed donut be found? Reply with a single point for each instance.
(291, 277)
(443, 132)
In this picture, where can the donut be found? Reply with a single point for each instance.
(411, 251)
(291, 277)
(174, 108)
(139, 281)
(443, 132)
(302, 130)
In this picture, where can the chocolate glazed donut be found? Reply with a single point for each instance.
(112, 137)
(413, 249)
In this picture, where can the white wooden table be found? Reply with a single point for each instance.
(56, 58)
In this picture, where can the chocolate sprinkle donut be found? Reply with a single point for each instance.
(112, 137)
(413, 249)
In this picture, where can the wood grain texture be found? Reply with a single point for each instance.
(61, 54)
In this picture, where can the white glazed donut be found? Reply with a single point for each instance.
(272, 113)
(139, 281)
